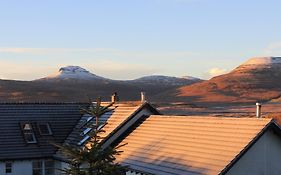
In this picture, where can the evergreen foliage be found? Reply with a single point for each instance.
(93, 158)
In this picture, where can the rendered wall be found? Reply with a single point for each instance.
(24, 167)
(264, 157)
(18, 168)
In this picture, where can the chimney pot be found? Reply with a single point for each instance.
(114, 97)
(143, 97)
(258, 111)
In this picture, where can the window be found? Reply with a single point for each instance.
(41, 167)
(8, 167)
(28, 133)
(44, 129)
(83, 140)
(86, 131)
(49, 167)
(37, 168)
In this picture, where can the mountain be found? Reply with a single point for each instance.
(167, 80)
(73, 72)
(76, 84)
(258, 79)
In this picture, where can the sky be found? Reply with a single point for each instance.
(127, 39)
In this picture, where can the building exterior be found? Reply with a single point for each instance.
(165, 145)
(30, 130)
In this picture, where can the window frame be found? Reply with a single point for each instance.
(28, 132)
(39, 168)
(50, 132)
(8, 169)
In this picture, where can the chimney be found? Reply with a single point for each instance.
(258, 112)
(114, 97)
(143, 97)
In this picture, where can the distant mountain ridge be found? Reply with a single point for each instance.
(79, 73)
(258, 79)
(76, 84)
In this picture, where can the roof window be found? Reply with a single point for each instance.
(28, 133)
(45, 129)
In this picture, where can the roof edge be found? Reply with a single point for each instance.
(271, 125)
(128, 119)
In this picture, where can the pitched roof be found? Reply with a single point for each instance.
(188, 144)
(61, 117)
(120, 113)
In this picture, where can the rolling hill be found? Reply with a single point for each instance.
(258, 79)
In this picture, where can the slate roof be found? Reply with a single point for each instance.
(120, 113)
(176, 145)
(62, 117)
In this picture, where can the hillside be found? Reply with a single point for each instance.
(258, 79)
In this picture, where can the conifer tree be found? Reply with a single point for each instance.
(93, 158)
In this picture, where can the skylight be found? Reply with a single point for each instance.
(28, 133)
(84, 140)
(44, 129)
(86, 131)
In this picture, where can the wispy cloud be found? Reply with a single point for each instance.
(273, 49)
(216, 72)
(54, 50)
(33, 63)
(105, 51)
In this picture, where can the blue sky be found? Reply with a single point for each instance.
(126, 39)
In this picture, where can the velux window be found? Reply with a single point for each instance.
(28, 133)
(44, 129)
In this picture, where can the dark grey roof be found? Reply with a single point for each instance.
(120, 111)
(62, 118)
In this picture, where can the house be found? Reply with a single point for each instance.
(189, 145)
(29, 131)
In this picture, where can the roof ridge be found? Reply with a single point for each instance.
(210, 117)
(20, 103)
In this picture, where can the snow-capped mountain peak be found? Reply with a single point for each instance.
(189, 78)
(73, 72)
(263, 61)
(167, 80)
(73, 69)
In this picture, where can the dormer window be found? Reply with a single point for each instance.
(28, 133)
(44, 129)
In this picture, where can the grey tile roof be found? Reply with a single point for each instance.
(121, 111)
(62, 117)
(188, 145)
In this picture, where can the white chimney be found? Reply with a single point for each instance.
(114, 97)
(143, 97)
(258, 111)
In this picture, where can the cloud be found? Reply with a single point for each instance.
(216, 72)
(33, 63)
(273, 49)
(54, 50)
(113, 51)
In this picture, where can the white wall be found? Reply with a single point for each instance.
(24, 167)
(264, 157)
(18, 168)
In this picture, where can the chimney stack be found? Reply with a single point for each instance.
(114, 97)
(258, 112)
(143, 97)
